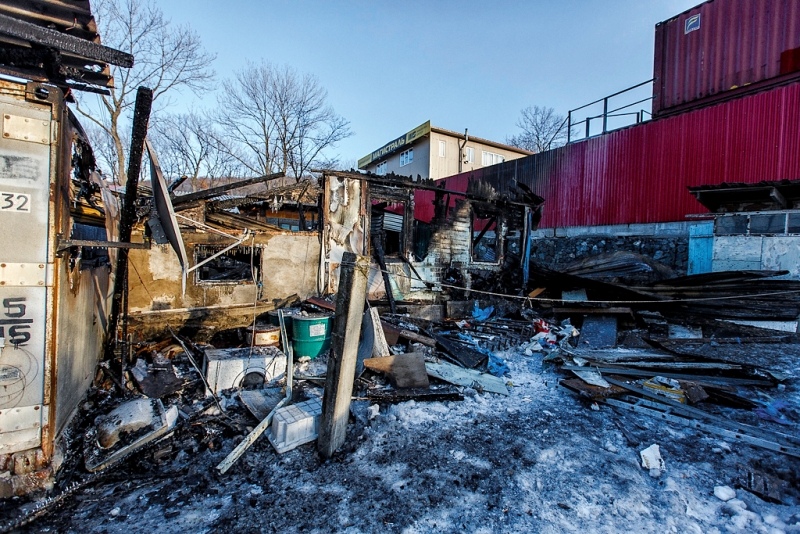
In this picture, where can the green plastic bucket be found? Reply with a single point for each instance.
(311, 334)
(287, 319)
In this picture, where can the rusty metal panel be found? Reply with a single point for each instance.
(25, 187)
(21, 428)
(725, 46)
(641, 174)
(22, 325)
(82, 312)
(25, 170)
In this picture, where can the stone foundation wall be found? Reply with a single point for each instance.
(558, 252)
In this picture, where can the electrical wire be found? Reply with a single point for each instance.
(542, 299)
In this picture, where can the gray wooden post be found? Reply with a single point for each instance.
(341, 372)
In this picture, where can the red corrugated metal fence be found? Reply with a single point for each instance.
(640, 174)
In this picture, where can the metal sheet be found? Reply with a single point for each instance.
(641, 174)
(701, 246)
(24, 274)
(599, 331)
(22, 324)
(82, 316)
(26, 129)
(25, 182)
(392, 222)
(166, 213)
(724, 45)
(21, 428)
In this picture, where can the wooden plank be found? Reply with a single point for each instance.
(699, 379)
(687, 411)
(341, 372)
(219, 190)
(403, 370)
(382, 365)
(679, 365)
(379, 348)
(392, 332)
(536, 292)
(576, 385)
(466, 377)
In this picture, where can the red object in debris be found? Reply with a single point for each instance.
(541, 326)
(724, 48)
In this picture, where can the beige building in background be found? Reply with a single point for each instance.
(435, 153)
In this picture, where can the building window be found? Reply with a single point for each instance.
(407, 157)
(485, 242)
(490, 158)
(387, 227)
(381, 169)
(238, 265)
(469, 155)
(442, 148)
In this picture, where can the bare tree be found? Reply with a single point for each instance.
(103, 148)
(166, 58)
(542, 129)
(275, 119)
(187, 146)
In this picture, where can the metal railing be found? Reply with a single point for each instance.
(606, 114)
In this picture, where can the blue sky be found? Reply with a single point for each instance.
(390, 66)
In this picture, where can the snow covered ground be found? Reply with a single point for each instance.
(540, 460)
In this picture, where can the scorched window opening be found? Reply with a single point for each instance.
(238, 265)
(485, 242)
(388, 223)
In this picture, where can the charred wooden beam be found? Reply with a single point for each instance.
(141, 118)
(215, 191)
(429, 185)
(260, 197)
(63, 42)
(344, 351)
(477, 240)
(377, 252)
(177, 183)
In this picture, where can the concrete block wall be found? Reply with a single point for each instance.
(740, 252)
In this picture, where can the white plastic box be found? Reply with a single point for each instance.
(295, 425)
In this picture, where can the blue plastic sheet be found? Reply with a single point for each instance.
(481, 314)
(772, 412)
(497, 366)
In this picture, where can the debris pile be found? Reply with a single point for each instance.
(638, 350)
(660, 370)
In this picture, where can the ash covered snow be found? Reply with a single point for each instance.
(539, 460)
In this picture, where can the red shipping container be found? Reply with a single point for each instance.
(724, 49)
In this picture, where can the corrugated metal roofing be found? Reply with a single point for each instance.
(641, 174)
